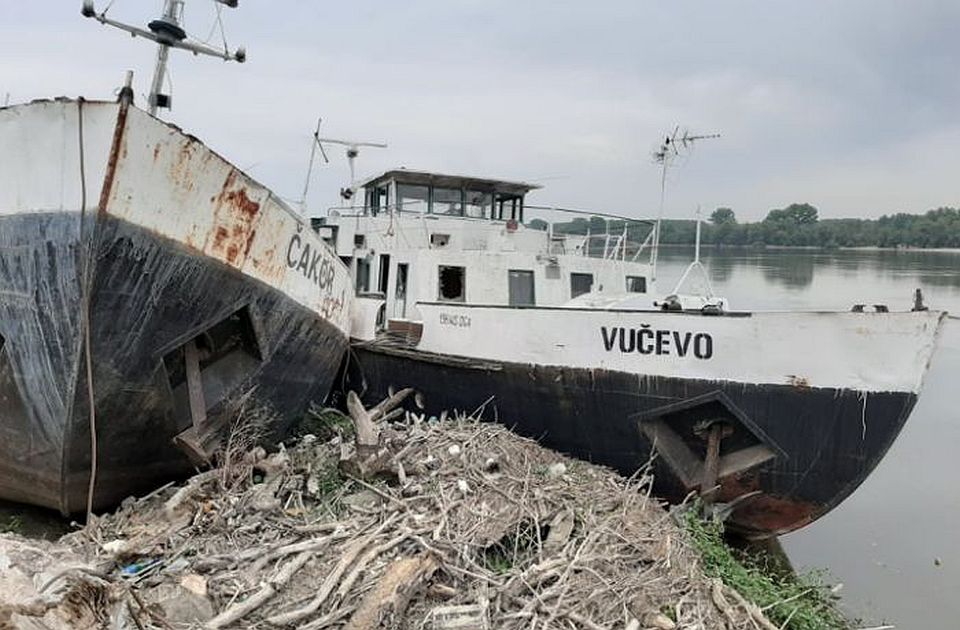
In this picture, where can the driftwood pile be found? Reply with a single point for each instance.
(408, 523)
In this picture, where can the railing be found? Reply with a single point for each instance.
(568, 231)
(592, 234)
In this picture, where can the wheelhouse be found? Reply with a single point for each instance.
(418, 192)
(423, 237)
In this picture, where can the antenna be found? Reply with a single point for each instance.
(168, 33)
(353, 151)
(314, 145)
(673, 146)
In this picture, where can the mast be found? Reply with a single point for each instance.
(167, 31)
(672, 145)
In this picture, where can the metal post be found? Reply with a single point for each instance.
(696, 251)
(159, 72)
(171, 14)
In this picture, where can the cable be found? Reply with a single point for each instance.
(85, 315)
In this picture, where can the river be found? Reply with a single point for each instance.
(893, 544)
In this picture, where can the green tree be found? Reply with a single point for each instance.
(795, 213)
(723, 216)
(538, 224)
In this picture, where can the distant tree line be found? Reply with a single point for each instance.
(797, 225)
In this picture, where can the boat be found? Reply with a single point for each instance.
(550, 320)
(148, 287)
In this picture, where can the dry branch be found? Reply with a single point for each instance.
(324, 534)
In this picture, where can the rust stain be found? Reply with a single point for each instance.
(156, 152)
(246, 206)
(114, 157)
(181, 168)
(235, 216)
(765, 513)
(221, 237)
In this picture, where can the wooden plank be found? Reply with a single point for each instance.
(198, 406)
(711, 464)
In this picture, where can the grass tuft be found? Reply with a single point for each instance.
(791, 601)
(325, 424)
(13, 525)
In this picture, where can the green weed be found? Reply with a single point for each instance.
(792, 602)
(13, 525)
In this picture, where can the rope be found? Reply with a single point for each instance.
(85, 314)
(217, 23)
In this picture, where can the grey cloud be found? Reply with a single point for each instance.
(845, 103)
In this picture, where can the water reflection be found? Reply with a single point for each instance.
(798, 269)
(791, 270)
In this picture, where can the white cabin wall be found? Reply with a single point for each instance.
(488, 251)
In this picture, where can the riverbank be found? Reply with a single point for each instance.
(442, 523)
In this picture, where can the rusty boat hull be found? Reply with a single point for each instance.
(125, 246)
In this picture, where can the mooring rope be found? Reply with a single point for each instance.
(85, 317)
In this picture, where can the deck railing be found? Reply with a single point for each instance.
(568, 231)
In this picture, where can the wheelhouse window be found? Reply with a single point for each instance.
(508, 207)
(378, 199)
(521, 287)
(478, 205)
(452, 284)
(413, 198)
(636, 284)
(447, 201)
(580, 283)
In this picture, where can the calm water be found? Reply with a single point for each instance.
(895, 543)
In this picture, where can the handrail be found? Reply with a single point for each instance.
(365, 210)
(616, 245)
(591, 213)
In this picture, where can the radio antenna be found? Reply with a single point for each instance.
(353, 151)
(167, 31)
(314, 145)
(674, 145)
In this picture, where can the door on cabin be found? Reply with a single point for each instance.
(400, 296)
(383, 274)
(521, 287)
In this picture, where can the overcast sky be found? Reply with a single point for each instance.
(852, 106)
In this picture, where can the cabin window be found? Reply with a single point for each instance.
(478, 204)
(378, 199)
(636, 284)
(580, 283)
(363, 275)
(413, 198)
(447, 201)
(521, 287)
(508, 207)
(452, 284)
